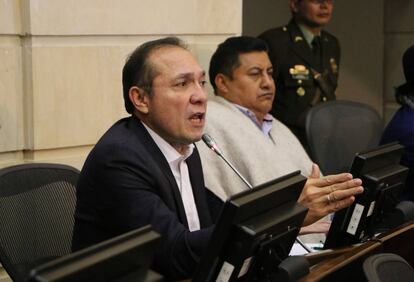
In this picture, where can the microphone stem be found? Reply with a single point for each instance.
(237, 172)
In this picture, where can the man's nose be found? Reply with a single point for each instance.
(267, 80)
(199, 94)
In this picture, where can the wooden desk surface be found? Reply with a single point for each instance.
(4, 277)
(346, 264)
(400, 242)
(343, 266)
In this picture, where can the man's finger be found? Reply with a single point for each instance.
(344, 185)
(338, 205)
(332, 179)
(316, 172)
(343, 194)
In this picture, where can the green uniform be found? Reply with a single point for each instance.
(303, 76)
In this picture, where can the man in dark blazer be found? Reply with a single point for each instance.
(145, 168)
(305, 60)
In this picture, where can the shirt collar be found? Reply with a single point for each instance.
(307, 34)
(265, 127)
(169, 152)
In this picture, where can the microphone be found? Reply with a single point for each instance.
(215, 148)
(209, 141)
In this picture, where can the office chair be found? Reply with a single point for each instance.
(336, 130)
(37, 204)
(387, 267)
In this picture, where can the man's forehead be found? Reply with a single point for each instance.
(255, 58)
(174, 58)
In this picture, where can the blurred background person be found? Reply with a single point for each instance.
(306, 62)
(401, 126)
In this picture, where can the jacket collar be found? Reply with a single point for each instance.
(301, 47)
(194, 168)
(155, 152)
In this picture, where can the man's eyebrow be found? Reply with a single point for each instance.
(190, 75)
(261, 68)
(256, 68)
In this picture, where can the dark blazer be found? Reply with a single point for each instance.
(289, 53)
(126, 183)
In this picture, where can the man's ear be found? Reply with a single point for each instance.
(221, 83)
(139, 98)
(293, 5)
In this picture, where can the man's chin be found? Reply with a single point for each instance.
(319, 23)
(322, 21)
(194, 137)
(197, 138)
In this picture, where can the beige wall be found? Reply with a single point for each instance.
(60, 76)
(11, 85)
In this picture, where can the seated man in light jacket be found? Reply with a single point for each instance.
(260, 146)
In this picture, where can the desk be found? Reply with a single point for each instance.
(345, 264)
(4, 277)
(342, 264)
(153, 277)
(400, 242)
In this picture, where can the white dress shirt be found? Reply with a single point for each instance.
(179, 168)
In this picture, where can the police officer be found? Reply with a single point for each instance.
(306, 61)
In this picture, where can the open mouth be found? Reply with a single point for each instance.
(197, 118)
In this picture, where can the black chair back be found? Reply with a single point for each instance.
(37, 204)
(387, 267)
(336, 130)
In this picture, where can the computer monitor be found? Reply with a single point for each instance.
(383, 180)
(124, 258)
(255, 232)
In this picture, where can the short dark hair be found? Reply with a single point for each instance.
(226, 57)
(138, 70)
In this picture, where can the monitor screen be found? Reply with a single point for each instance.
(124, 258)
(383, 180)
(255, 232)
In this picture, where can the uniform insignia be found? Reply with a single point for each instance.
(300, 91)
(334, 65)
(298, 38)
(299, 72)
